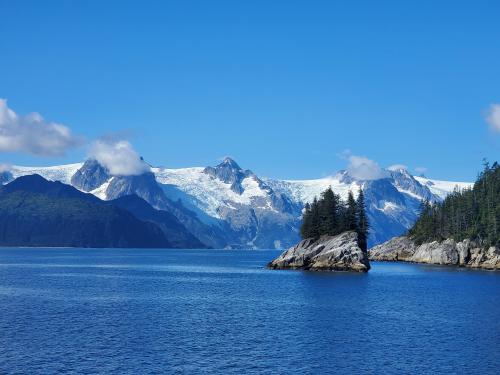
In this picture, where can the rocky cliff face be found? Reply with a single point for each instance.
(406, 183)
(466, 253)
(229, 172)
(329, 253)
(90, 176)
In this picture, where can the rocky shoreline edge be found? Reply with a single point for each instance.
(328, 253)
(464, 253)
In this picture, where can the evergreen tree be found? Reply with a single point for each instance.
(351, 221)
(316, 226)
(329, 212)
(362, 222)
(305, 229)
(330, 216)
(470, 213)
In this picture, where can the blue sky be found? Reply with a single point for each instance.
(284, 87)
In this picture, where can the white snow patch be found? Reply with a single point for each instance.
(61, 173)
(304, 191)
(443, 188)
(100, 192)
(408, 192)
(210, 193)
(390, 206)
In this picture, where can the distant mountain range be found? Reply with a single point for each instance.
(226, 206)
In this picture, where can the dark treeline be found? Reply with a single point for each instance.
(330, 215)
(471, 213)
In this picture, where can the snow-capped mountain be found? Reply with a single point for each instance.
(250, 212)
(227, 206)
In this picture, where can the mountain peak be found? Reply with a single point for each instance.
(35, 183)
(229, 172)
(90, 176)
(29, 180)
(229, 162)
(399, 169)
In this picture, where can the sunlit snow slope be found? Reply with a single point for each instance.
(245, 211)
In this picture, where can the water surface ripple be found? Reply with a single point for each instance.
(211, 311)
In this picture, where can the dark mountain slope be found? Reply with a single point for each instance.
(37, 212)
(175, 232)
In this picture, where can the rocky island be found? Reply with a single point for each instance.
(334, 236)
(328, 253)
(464, 253)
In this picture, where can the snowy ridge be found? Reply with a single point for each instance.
(61, 173)
(304, 191)
(240, 210)
(210, 194)
(443, 188)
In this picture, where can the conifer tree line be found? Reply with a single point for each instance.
(330, 215)
(470, 213)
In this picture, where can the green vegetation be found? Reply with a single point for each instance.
(471, 213)
(330, 216)
(37, 212)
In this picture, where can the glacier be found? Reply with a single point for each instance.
(226, 206)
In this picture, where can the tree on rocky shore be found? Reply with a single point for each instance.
(465, 214)
(330, 215)
(362, 221)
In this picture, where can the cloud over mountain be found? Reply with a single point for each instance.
(397, 167)
(32, 134)
(118, 157)
(362, 168)
(493, 117)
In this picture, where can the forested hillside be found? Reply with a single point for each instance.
(470, 213)
(37, 212)
(329, 215)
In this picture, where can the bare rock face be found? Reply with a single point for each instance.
(90, 176)
(437, 253)
(329, 253)
(466, 253)
(397, 248)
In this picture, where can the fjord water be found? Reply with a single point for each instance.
(213, 311)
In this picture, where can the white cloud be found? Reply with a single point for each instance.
(493, 117)
(420, 170)
(5, 167)
(118, 157)
(397, 167)
(362, 168)
(33, 135)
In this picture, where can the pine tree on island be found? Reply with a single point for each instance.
(305, 229)
(330, 215)
(351, 213)
(362, 221)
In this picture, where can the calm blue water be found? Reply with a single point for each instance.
(171, 311)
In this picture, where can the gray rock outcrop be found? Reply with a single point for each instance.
(328, 253)
(465, 253)
(90, 176)
(229, 172)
